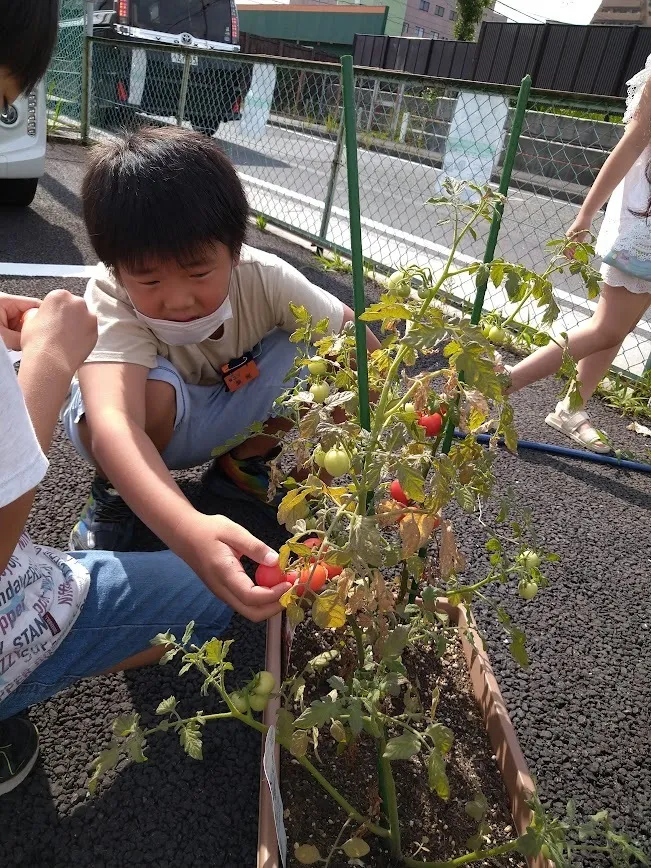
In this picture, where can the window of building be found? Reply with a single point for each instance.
(435, 34)
(405, 28)
(424, 5)
(453, 15)
(420, 31)
(439, 11)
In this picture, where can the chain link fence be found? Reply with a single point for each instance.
(64, 78)
(280, 121)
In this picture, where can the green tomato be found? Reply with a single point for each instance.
(423, 292)
(317, 367)
(319, 392)
(399, 284)
(486, 329)
(240, 701)
(410, 408)
(527, 589)
(337, 462)
(545, 852)
(497, 335)
(264, 683)
(529, 559)
(258, 702)
(318, 456)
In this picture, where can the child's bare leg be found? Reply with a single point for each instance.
(592, 369)
(618, 311)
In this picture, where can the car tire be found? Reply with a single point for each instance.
(18, 192)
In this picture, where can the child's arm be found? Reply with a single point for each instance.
(637, 136)
(114, 401)
(48, 364)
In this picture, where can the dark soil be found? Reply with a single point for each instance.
(441, 828)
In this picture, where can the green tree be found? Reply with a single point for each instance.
(469, 14)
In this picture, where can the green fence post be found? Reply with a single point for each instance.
(350, 123)
(505, 180)
(496, 222)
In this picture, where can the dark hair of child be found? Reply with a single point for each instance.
(160, 194)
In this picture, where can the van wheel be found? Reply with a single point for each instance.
(18, 192)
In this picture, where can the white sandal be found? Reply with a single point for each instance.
(577, 427)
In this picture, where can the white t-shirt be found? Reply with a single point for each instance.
(41, 590)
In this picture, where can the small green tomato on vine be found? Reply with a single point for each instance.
(319, 392)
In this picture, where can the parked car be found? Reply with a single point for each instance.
(23, 133)
(137, 80)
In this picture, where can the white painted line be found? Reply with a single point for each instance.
(40, 269)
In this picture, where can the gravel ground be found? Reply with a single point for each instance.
(582, 710)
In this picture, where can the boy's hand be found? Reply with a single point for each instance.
(12, 308)
(216, 546)
(63, 330)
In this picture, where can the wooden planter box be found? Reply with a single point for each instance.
(506, 748)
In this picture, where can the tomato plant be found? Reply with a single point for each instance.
(384, 551)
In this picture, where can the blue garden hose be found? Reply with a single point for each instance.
(570, 453)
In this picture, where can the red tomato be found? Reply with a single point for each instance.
(398, 494)
(269, 577)
(432, 424)
(316, 576)
(312, 542)
(333, 570)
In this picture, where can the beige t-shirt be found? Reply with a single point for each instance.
(261, 289)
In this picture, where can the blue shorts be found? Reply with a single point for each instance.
(132, 597)
(207, 417)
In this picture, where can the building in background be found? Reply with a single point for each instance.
(434, 19)
(395, 14)
(330, 28)
(623, 12)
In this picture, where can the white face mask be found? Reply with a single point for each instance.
(178, 334)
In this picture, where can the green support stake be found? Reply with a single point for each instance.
(356, 239)
(496, 222)
(505, 180)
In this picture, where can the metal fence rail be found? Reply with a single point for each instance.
(281, 122)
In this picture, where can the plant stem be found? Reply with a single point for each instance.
(466, 859)
(389, 799)
(341, 801)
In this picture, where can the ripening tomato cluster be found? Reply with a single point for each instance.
(312, 575)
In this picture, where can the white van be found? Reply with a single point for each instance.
(23, 136)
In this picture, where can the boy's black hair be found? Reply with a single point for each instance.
(162, 193)
(27, 38)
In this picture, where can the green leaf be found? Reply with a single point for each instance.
(477, 808)
(168, 655)
(396, 642)
(512, 285)
(442, 736)
(190, 737)
(126, 724)
(134, 746)
(355, 848)
(436, 775)
(163, 639)
(188, 633)
(167, 705)
(306, 854)
(355, 717)
(518, 649)
(412, 482)
(106, 761)
(386, 311)
(324, 659)
(402, 747)
(284, 724)
(216, 651)
(299, 743)
(317, 714)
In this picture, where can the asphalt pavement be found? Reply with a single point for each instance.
(581, 711)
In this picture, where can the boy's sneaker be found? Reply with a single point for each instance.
(18, 752)
(106, 523)
(241, 479)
